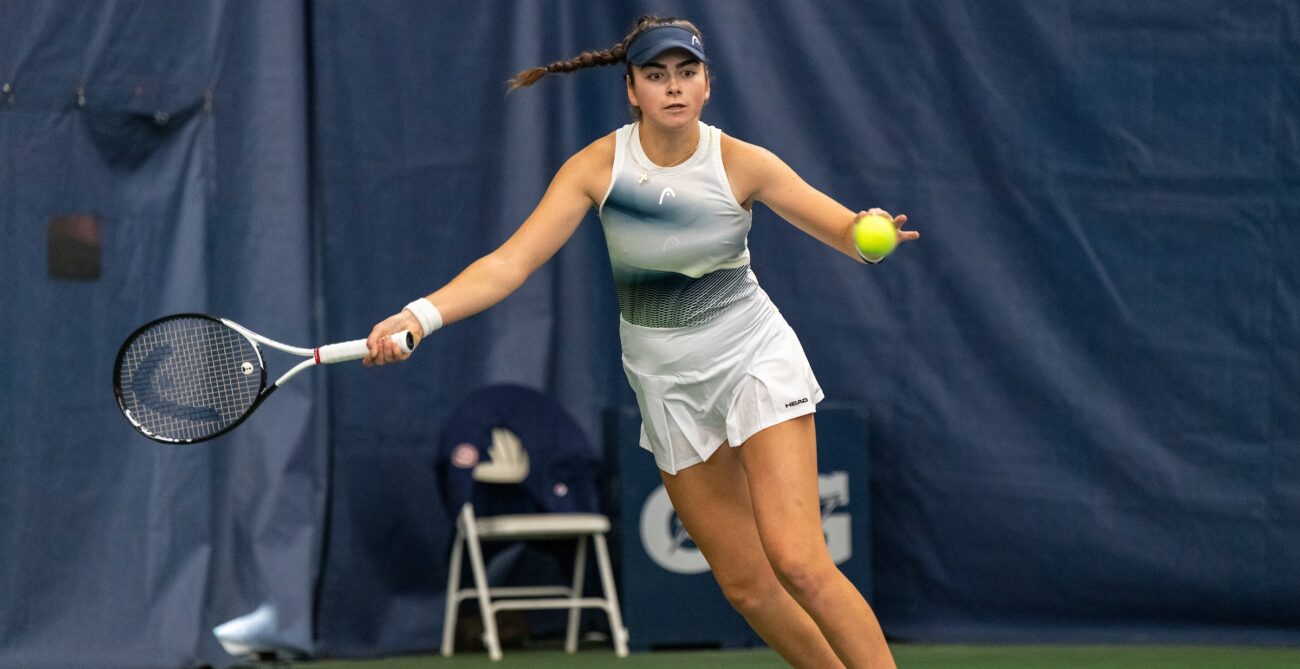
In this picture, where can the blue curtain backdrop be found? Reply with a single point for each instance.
(183, 129)
(1082, 380)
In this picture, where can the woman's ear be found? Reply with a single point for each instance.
(631, 90)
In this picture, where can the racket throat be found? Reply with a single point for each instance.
(294, 371)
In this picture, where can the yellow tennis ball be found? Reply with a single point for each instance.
(875, 235)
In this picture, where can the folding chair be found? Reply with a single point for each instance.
(539, 482)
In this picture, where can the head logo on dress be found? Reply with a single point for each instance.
(668, 192)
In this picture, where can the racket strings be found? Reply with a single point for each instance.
(188, 378)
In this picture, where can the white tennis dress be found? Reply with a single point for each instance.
(709, 356)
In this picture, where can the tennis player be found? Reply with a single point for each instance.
(725, 391)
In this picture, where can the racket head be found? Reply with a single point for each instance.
(187, 378)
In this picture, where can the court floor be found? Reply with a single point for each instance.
(909, 656)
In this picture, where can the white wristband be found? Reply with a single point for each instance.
(867, 260)
(428, 315)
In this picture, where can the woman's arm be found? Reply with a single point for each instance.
(495, 276)
(758, 175)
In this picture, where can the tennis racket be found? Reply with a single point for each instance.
(187, 378)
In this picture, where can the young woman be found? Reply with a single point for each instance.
(725, 391)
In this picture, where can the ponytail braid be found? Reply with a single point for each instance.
(611, 56)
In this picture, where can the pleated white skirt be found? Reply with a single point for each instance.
(701, 386)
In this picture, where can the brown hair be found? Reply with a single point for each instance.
(611, 56)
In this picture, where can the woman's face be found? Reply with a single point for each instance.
(670, 90)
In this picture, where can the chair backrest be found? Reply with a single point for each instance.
(563, 469)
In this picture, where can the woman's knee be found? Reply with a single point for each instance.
(748, 593)
(805, 577)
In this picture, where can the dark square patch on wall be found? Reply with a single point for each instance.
(74, 247)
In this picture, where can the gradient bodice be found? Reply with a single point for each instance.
(676, 235)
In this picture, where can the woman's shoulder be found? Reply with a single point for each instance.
(743, 160)
(739, 147)
(598, 155)
(602, 147)
(588, 170)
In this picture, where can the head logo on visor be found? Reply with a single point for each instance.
(654, 41)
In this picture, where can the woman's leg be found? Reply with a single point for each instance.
(781, 467)
(713, 502)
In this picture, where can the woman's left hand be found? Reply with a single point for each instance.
(899, 220)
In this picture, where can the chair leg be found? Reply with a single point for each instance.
(490, 638)
(616, 628)
(453, 594)
(575, 613)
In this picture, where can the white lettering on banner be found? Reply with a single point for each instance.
(664, 538)
(833, 488)
(667, 543)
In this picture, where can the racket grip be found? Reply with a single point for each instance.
(356, 349)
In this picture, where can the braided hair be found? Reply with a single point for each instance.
(611, 56)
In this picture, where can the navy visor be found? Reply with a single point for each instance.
(654, 41)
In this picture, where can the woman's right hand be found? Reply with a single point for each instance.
(382, 348)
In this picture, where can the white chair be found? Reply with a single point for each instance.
(508, 465)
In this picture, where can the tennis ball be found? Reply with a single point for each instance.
(875, 235)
